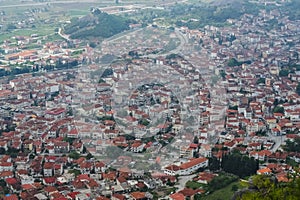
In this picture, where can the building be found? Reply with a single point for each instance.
(187, 167)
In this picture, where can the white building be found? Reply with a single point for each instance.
(186, 168)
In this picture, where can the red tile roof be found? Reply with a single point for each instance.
(177, 196)
(192, 163)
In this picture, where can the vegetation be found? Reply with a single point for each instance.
(292, 146)
(212, 14)
(278, 109)
(107, 72)
(193, 185)
(224, 193)
(292, 8)
(221, 181)
(76, 172)
(239, 165)
(265, 187)
(232, 62)
(298, 89)
(284, 72)
(74, 155)
(31, 68)
(89, 156)
(261, 80)
(214, 164)
(96, 24)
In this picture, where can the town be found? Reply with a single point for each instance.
(156, 112)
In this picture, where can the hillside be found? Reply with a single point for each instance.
(96, 24)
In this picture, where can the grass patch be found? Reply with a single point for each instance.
(226, 192)
(193, 185)
(77, 13)
(40, 31)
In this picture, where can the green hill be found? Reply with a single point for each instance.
(96, 24)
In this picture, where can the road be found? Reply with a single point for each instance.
(63, 35)
(182, 181)
(183, 41)
(279, 140)
(51, 3)
(110, 2)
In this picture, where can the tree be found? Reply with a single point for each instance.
(266, 187)
(214, 164)
(76, 172)
(196, 140)
(2, 151)
(239, 165)
(74, 155)
(261, 80)
(234, 187)
(232, 62)
(298, 89)
(221, 181)
(89, 156)
(283, 72)
(279, 109)
(92, 44)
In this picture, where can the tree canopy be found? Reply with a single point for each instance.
(239, 165)
(265, 187)
(96, 24)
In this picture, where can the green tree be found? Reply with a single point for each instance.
(2, 151)
(196, 140)
(89, 156)
(234, 188)
(283, 72)
(261, 80)
(74, 155)
(232, 62)
(298, 89)
(214, 164)
(76, 172)
(266, 187)
(279, 109)
(239, 165)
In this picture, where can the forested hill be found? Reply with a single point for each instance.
(96, 24)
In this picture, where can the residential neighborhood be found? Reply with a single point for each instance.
(156, 113)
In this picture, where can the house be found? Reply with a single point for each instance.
(186, 152)
(48, 169)
(61, 147)
(189, 193)
(99, 167)
(11, 197)
(139, 196)
(204, 177)
(264, 171)
(13, 184)
(49, 181)
(137, 147)
(205, 150)
(118, 197)
(56, 113)
(6, 174)
(177, 196)
(6, 166)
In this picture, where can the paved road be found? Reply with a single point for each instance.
(183, 42)
(63, 35)
(279, 140)
(182, 181)
(50, 3)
